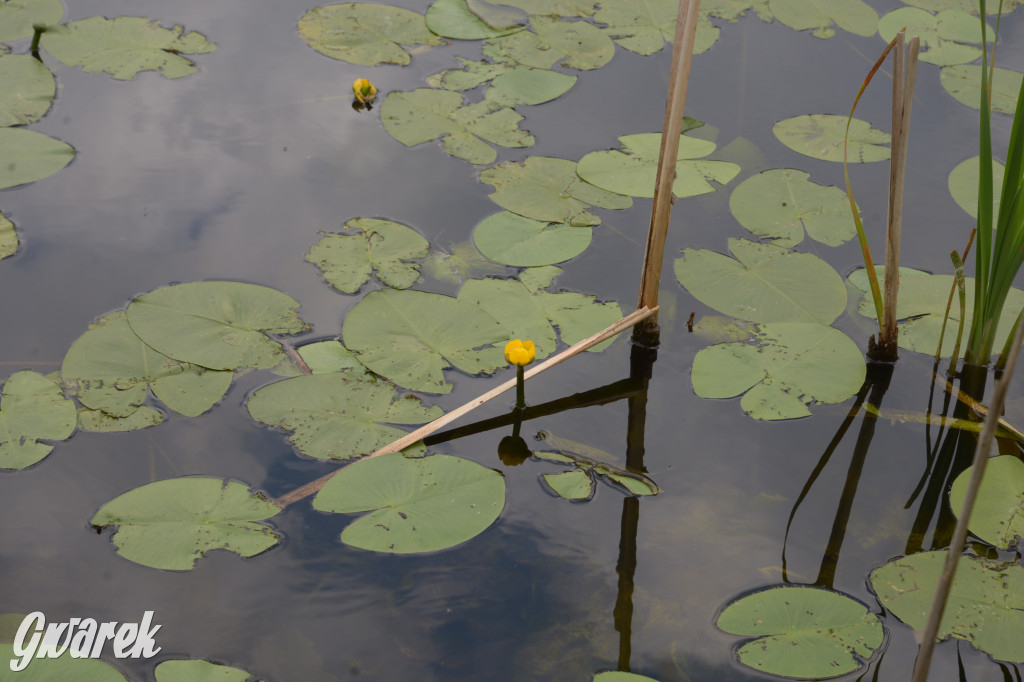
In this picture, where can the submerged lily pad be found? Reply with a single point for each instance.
(644, 26)
(410, 337)
(803, 632)
(17, 17)
(963, 81)
(29, 156)
(125, 46)
(985, 606)
(820, 136)
(170, 524)
(8, 237)
(60, 668)
(820, 16)
(32, 408)
(26, 89)
(380, 247)
(793, 365)
(576, 44)
(963, 185)
(198, 670)
(942, 36)
(514, 240)
(365, 33)
(453, 19)
(416, 505)
(998, 514)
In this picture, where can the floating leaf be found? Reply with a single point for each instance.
(497, 15)
(820, 136)
(17, 17)
(169, 524)
(29, 156)
(764, 283)
(571, 485)
(780, 204)
(98, 420)
(793, 365)
(198, 670)
(561, 8)
(31, 408)
(615, 676)
(644, 26)
(634, 172)
(218, 325)
(576, 44)
(419, 116)
(803, 632)
(471, 75)
(549, 189)
(125, 46)
(460, 263)
(410, 337)
(381, 247)
(963, 81)
(998, 514)
(9, 238)
(941, 35)
(325, 357)
(26, 89)
(416, 505)
(453, 19)
(365, 33)
(337, 416)
(732, 10)
(511, 85)
(819, 16)
(969, 6)
(719, 329)
(63, 667)
(963, 185)
(514, 240)
(985, 605)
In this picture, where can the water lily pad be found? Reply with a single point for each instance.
(170, 524)
(732, 10)
(325, 357)
(576, 44)
(416, 505)
(29, 156)
(379, 247)
(514, 240)
(780, 204)
(803, 632)
(32, 408)
(615, 676)
(461, 262)
(198, 670)
(633, 171)
(820, 16)
(98, 420)
(963, 185)
(577, 484)
(560, 8)
(26, 89)
(764, 283)
(219, 325)
(644, 26)
(942, 35)
(969, 6)
(985, 606)
(549, 189)
(125, 46)
(511, 84)
(17, 17)
(820, 136)
(365, 33)
(62, 667)
(8, 237)
(422, 115)
(963, 81)
(792, 365)
(410, 337)
(338, 416)
(998, 515)
(453, 19)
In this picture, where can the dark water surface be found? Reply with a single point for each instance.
(231, 173)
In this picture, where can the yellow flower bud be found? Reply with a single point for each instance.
(364, 90)
(519, 352)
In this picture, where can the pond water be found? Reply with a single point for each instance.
(231, 173)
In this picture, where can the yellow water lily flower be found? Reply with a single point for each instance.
(519, 352)
(364, 90)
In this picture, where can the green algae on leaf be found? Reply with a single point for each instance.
(942, 35)
(29, 156)
(365, 33)
(60, 668)
(963, 185)
(339, 415)
(524, 242)
(985, 605)
(802, 632)
(380, 247)
(18, 17)
(218, 325)
(27, 89)
(575, 44)
(415, 505)
(998, 514)
(819, 16)
(782, 203)
(633, 171)
(32, 408)
(454, 19)
(324, 357)
(410, 337)
(8, 238)
(97, 420)
(644, 26)
(820, 136)
(198, 670)
(125, 46)
(963, 81)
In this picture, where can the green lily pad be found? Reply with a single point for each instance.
(170, 524)
(969, 6)
(410, 337)
(98, 420)
(576, 485)
(60, 668)
(985, 606)
(615, 676)
(422, 115)
(125, 46)
(379, 247)
(820, 16)
(576, 44)
(365, 33)
(560, 8)
(416, 505)
(803, 632)
(780, 204)
(644, 26)
(17, 17)
(218, 325)
(963, 81)
(32, 408)
(325, 357)
(963, 185)
(29, 156)
(998, 514)
(497, 15)
(793, 365)
(198, 670)
(26, 89)
(338, 416)
(633, 172)
(8, 238)
(511, 84)
(453, 19)
(942, 35)
(820, 136)
(514, 240)
(764, 283)
(549, 189)
(732, 10)
(471, 74)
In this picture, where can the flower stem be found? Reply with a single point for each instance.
(520, 388)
